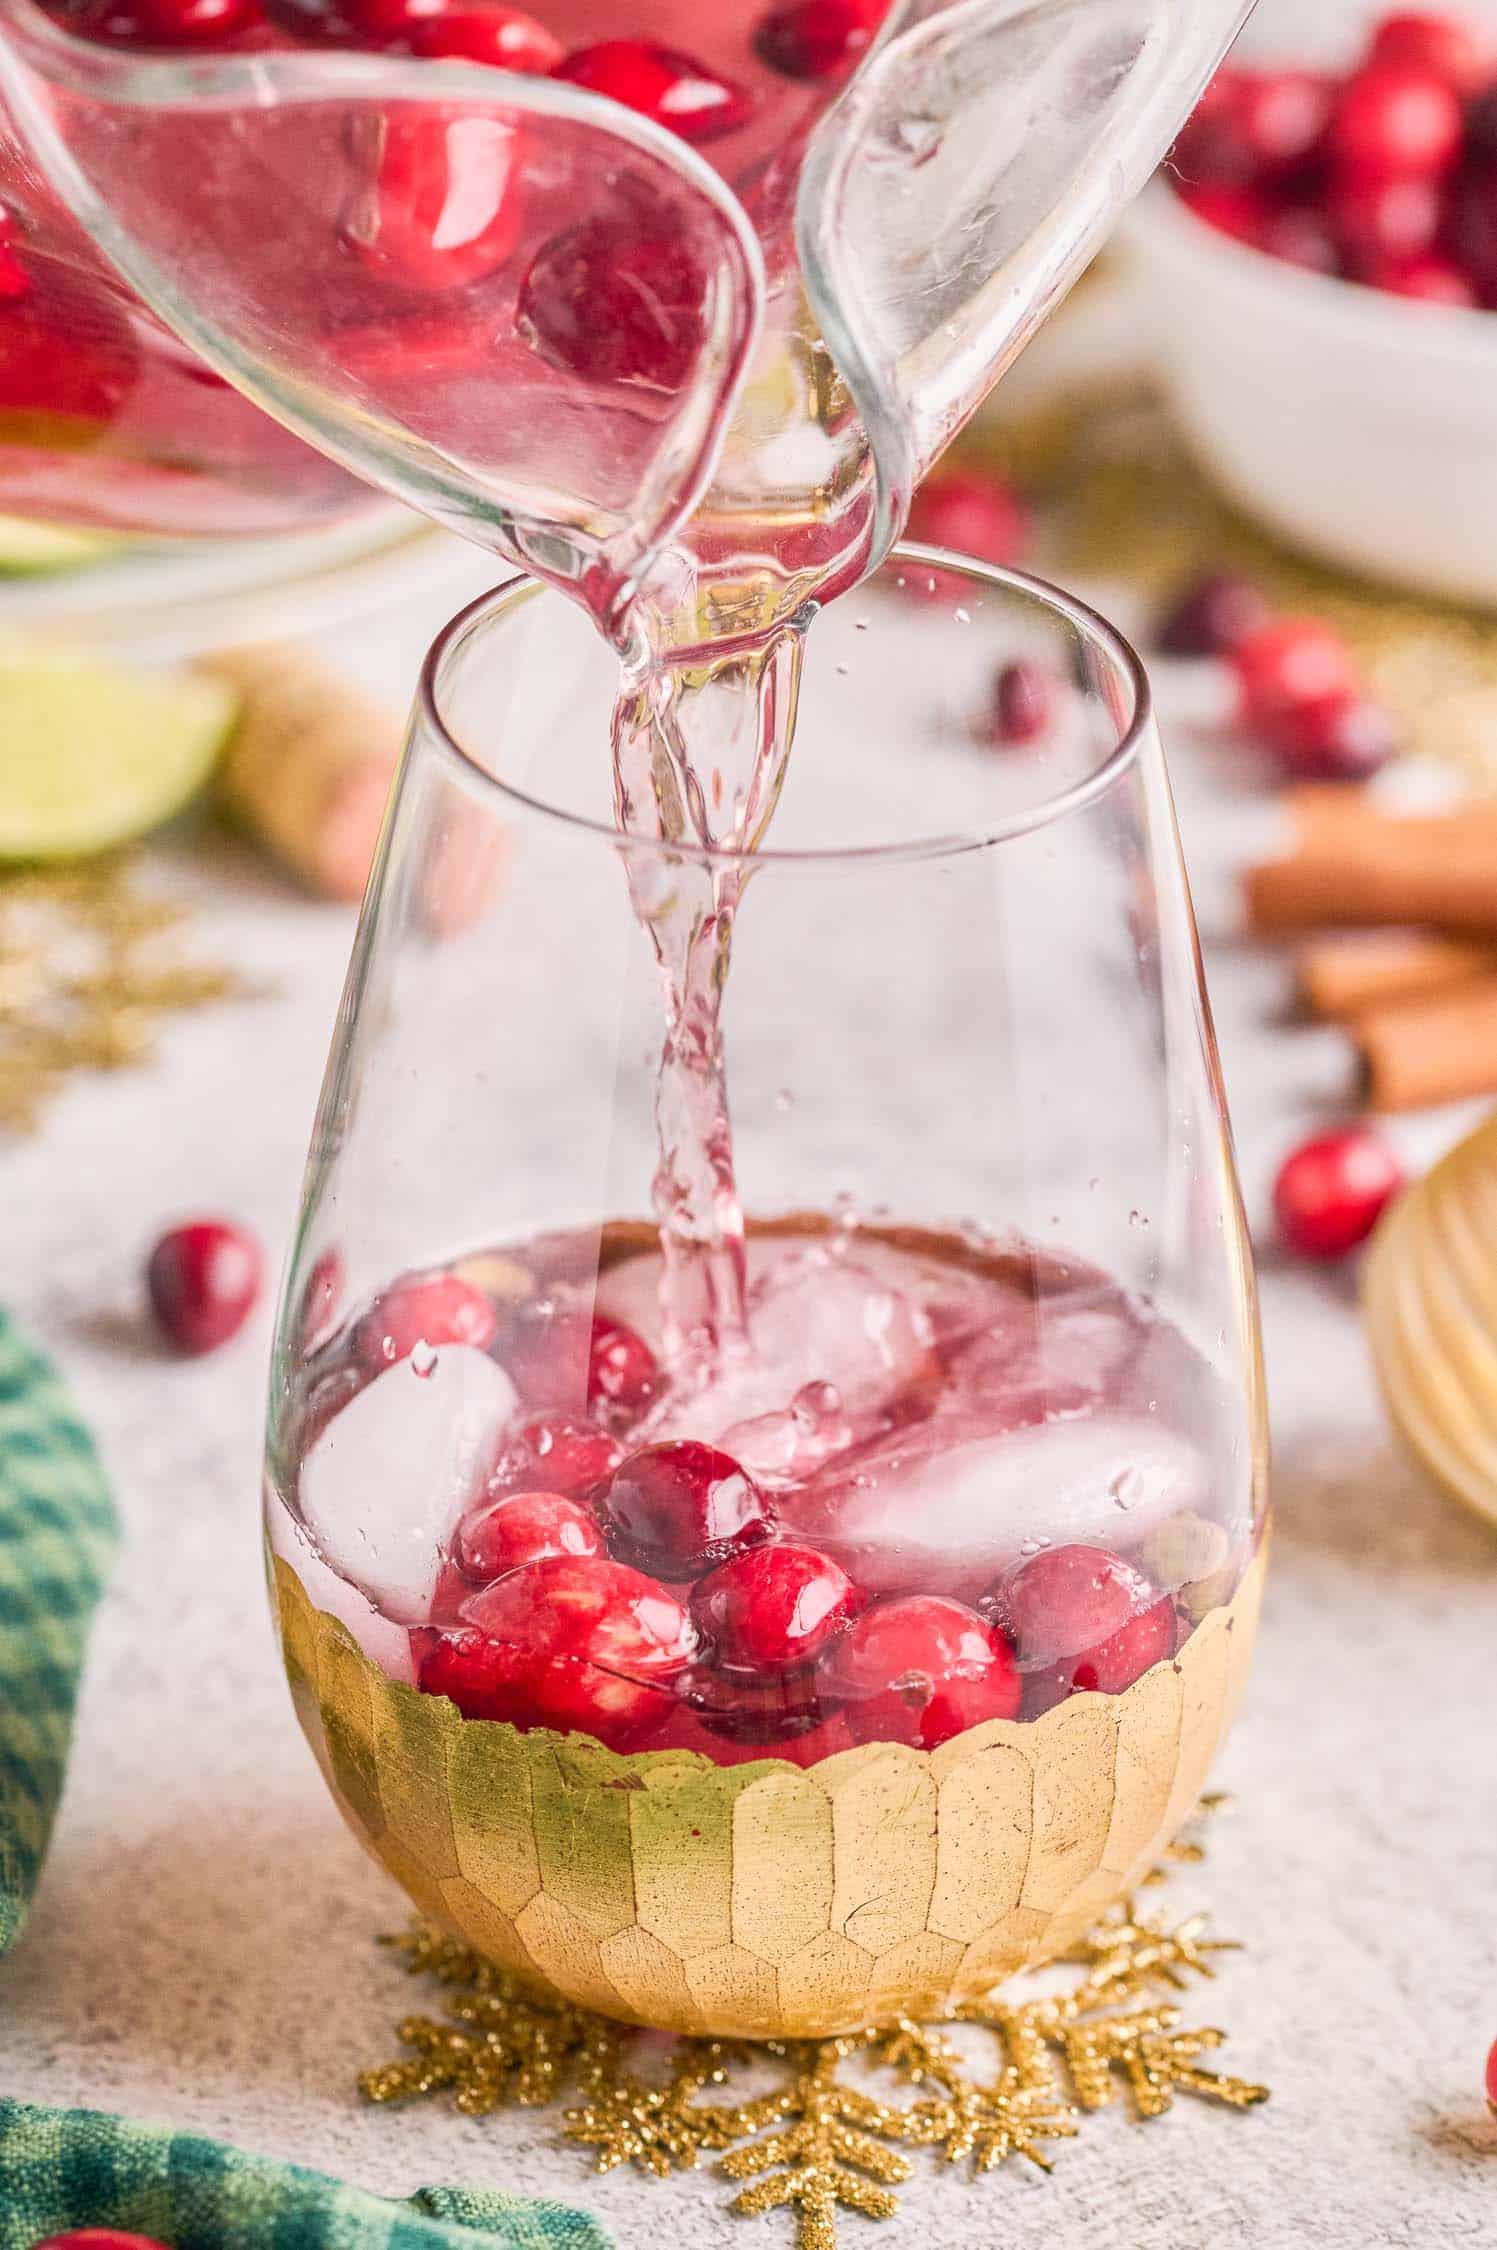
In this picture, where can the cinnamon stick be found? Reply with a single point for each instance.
(1416, 1053)
(1355, 864)
(1341, 977)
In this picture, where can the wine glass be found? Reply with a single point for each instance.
(837, 1660)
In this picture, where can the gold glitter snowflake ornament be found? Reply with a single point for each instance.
(831, 2132)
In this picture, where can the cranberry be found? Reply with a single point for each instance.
(439, 205)
(1397, 120)
(1023, 702)
(1213, 617)
(667, 87)
(434, 1309)
(506, 37)
(1481, 128)
(1084, 1622)
(1241, 212)
(741, 1707)
(973, 513)
(681, 1508)
(1378, 219)
(555, 1453)
(1432, 280)
(1452, 47)
(520, 1528)
(15, 281)
(168, 23)
(818, 38)
(773, 1608)
(1301, 235)
(612, 301)
(1290, 662)
(557, 1354)
(1282, 117)
(1210, 150)
(1333, 1189)
(920, 1670)
(317, 23)
(1337, 738)
(577, 1643)
(1491, 2085)
(202, 1280)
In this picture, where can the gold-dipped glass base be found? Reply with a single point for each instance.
(759, 1900)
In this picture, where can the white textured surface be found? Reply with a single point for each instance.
(201, 1948)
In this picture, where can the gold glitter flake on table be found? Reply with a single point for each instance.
(831, 2128)
(89, 967)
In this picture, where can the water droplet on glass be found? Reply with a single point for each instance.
(1137, 1219)
(860, 624)
(423, 1358)
(963, 616)
(784, 1100)
(844, 671)
(1094, 1184)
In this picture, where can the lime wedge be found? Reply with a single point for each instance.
(93, 755)
(43, 546)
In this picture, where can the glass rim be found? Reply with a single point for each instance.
(1092, 628)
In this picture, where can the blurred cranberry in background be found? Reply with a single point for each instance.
(1332, 1190)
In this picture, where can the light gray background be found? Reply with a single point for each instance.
(202, 1945)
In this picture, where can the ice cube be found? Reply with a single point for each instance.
(384, 1643)
(383, 1488)
(932, 1511)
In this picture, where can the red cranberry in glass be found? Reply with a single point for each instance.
(1083, 1621)
(1288, 663)
(317, 23)
(610, 301)
(15, 281)
(440, 205)
(770, 1707)
(1300, 234)
(1339, 738)
(972, 513)
(774, 1608)
(1333, 1189)
(1375, 220)
(598, 1645)
(1282, 117)
(1210, 150)
(1023, 702)
(486, 1679)
(435, 1310)
(1451, 46)
(681, 1508)
(1241, 212)
(818, 38)
(1396, 120)
(564, 1357)
(168, 23)
(555, 1453)
(506, 37)
(920, 1670)
(202, 1280)
(1213, 617)
(322, 1293)
(1431, 280)
(1481, 128)
(521, 1528)
(669, 88)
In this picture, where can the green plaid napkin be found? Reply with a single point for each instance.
(57, 1536)
(76, 2168)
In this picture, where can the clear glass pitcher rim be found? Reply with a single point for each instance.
(1091, 628)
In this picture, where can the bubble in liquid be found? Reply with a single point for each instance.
(963, 616)
(423, 1358)
(1126, 1489)
(1035, 1545)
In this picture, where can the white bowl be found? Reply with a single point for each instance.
(1359, 425)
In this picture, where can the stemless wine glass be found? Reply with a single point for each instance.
(842, 1676)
